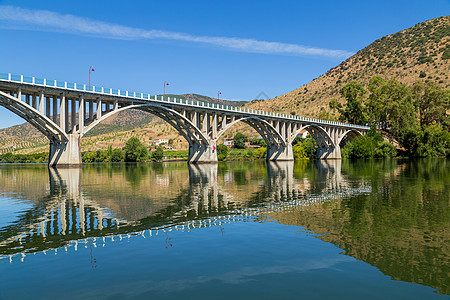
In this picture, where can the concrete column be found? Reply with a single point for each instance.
(81, 108)
(62, 112)
(66, 113)
(280, 152)
(116, 104)
(224, 121)
(91, 110)
(47, 106)
(28, 99)
(55, 108)
(194, 118)
(201, 153)
(34, 101)
(73, 112)
(288, 132)
(41, 102)
(205, 123)
(99, 108)
(108, 108)
(65, 154)
(214, 126)
(19, 93)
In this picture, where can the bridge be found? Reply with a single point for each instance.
(64, 112)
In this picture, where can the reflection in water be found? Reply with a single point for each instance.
(377, 212)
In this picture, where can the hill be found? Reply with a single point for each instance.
(421, 52)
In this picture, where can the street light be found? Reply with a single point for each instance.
(165, 83)
(218, 97)
(91, 68)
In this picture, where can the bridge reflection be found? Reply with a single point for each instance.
(78, 208)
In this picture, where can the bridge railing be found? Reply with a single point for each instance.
(144, 96)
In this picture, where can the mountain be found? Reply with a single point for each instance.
(421, 52)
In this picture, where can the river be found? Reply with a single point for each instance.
(254, 230)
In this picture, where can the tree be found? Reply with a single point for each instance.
(239, 140)
(222, 152)
(299, 152)
(133, 150)
(353, 110)
(117, 155)
(432, 102)
(158, 154)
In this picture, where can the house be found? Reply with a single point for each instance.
(303, 134)
(228, 142)
(161, 140)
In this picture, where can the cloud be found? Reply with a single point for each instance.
(24, 19)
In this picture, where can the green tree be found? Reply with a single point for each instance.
(158, 154)
(432, 103)
(133, 150)
(222, 152)
(353, 110)
(239, 140)
(261, 153)
(299, 152)
(117, 155)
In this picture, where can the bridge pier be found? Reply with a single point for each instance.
(202, 153)
(65, 154)
(280, 152)
(332, 152)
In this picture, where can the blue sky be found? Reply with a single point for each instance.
(241, 48)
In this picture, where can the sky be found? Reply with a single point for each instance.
(240, 48)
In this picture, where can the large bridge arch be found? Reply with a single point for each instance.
(349, 134)
(184, 126)
(270, 135)
(38, 120)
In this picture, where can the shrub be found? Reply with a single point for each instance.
(222, 152)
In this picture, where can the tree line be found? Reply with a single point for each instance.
(416, 115)
(133, 151)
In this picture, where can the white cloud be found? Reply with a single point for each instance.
(42, 20)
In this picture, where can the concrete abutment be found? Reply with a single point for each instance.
(65, 154)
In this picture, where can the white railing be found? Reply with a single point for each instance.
(143, 96)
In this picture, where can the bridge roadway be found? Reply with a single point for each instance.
(64, 112)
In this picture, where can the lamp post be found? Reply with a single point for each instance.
(91, 68)
(218, 97)
(165, 83)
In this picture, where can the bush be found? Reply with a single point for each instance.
(222, 152)
(261, 153)
(299, 152)
(239, 140)
(158, 154)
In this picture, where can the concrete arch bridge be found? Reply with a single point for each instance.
(80, 108)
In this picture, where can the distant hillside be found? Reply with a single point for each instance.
(421, 52)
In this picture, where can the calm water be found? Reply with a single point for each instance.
(317, 230)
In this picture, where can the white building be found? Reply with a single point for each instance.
(228, 142)
(161, 140)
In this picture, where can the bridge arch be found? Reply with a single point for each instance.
(184, 126)
(349, 134)
(269, 133)
(319, 134)
(38, 120)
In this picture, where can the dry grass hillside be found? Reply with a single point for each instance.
(421, 52)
